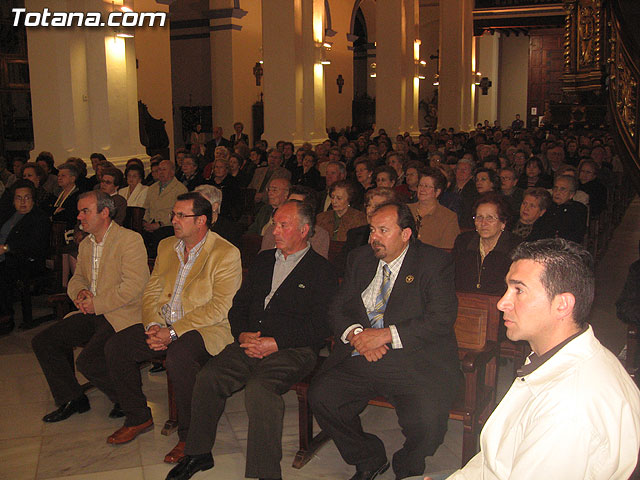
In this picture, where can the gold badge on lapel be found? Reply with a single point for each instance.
(301, 285)
(409, 279)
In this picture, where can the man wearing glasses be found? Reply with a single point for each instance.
(184, 315)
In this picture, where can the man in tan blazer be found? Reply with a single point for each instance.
(160, 199)
(107, 288)
(184, 315)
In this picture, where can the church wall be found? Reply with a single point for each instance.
(513, 73)
(429, 36)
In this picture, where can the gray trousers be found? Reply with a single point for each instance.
(265, 381)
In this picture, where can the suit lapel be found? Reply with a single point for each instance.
(199, 264)
(406, 275)
(106, 251)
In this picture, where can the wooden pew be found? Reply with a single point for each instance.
(477, 333)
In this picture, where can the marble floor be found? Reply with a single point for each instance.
(76, 448)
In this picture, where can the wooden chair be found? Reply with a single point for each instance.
(133, 218)
(477, 333)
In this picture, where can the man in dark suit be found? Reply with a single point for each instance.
(393, 327)
(238, 127)
(217, 141)
(278, 323)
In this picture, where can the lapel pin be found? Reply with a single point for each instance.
(409, 279)
(301, 285)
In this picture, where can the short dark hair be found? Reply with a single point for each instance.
(497, 199)
(348, 186)
(393, 175)
(439, 180)
(116, 173)
(22, 183)
(493, 177)
(46, 157)
(99, 156)
(103, 201)
(568, 268)
(73, 170)
(541, 194)
(201, 206)
(405, 217)
(134, 167)
(40, 173)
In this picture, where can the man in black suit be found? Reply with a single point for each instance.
(217, 141)
(393, 327)
(278, 322)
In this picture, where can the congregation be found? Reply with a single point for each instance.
(224, 319)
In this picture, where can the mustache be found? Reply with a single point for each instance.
(376, 244)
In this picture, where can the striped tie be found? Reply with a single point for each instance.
(376, 316)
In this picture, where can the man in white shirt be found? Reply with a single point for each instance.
(573, 412)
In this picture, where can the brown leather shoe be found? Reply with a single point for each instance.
(126, 434)
(175, 454)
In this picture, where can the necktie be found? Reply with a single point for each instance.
(376, 316)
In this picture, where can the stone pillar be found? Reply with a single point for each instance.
(294, 92)
(83, 88)
(455, 103)
(487, 63)
(397, 84)
(235, 48)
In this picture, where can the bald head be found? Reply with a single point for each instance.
(166, 171)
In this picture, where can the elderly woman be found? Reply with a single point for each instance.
(408, 191)
(396, 161)
(487, 180)
(112, 179)
(482, 257)
(237, 170)
(343, 217)
(65, 208)
(364, 173)
(24, 241)
(436, 224)
(307, 174)
(36, 175)
(220, 153)
(135, 193)
(535, 203)
(221, 179)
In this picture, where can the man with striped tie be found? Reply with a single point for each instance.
(393, 324)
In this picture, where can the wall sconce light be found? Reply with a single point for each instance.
(321, 49)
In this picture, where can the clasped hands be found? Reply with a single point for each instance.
(84, 302)
(158, 338)
(371, 343)
(256, 346)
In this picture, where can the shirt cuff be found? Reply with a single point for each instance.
(395, 337)
(347, 330)
(151, 325)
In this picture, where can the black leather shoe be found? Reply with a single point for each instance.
(370, 474)
(190, 465)
(79, 405)
(116, 411)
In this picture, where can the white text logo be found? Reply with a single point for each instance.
(47, 18)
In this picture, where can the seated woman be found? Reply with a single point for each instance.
(111, 180)
(65, 208)
(534, 175)
(535, 203)
(408, 191)
(482, 257)
(307, 174)
(436, 224)
(24, 241)
(34, 172)
(135, 193)
(221, 179)
(487, 180)
(236, 170)
(343, 217)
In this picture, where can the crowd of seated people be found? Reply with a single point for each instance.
(477, 195)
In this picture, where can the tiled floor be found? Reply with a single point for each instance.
(76, 448)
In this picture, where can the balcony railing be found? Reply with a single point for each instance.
(514, 3)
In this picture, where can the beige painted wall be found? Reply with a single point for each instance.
(154, 67)
(339, 105)
(513, 75)
(429, 36)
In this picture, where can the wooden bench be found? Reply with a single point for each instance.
(477, 334)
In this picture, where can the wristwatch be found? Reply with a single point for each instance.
(173, 334)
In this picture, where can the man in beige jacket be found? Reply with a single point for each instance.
(107, 289)
(184, 315)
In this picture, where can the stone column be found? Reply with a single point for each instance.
(235, 48)
(83, 88)
(455, 103)
(294, 95)
(397, 85)
(487, 63)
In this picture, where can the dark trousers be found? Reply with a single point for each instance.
(54, 349)
(184, 358)
(265, 381)
(339, 395)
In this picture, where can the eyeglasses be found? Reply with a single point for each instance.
(180, 215)
(490, 219)
(26, 198)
